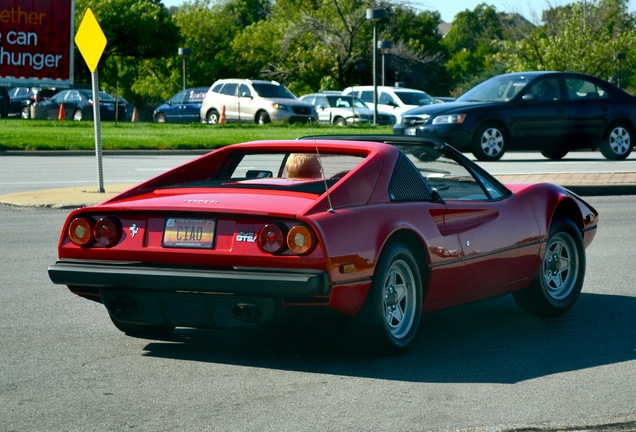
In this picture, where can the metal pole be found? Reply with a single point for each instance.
(184, 72)
(98, 136)
(375, 78)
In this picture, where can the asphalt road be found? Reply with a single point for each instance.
(481, 367)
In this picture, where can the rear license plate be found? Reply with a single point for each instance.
(189, 233)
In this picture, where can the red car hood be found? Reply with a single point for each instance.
(241, 201)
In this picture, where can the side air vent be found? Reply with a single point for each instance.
(407, 183)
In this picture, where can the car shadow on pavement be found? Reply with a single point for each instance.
(485, 342)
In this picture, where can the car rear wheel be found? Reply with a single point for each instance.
(558, 284)
(490, 142)
(617, 142)
(262, 118)
(212, 117)
(390, 317)
(77, 115)
(141, 329)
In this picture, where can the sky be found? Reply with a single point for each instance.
(530, 9)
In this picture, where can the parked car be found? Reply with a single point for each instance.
(183, 107)
(376, 228)
(553, 112)
(23, 97)
(340, 110)
(78, 105)
(4, 102)
(254, 101)
(394, 100)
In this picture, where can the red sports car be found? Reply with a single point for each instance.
(380, 228)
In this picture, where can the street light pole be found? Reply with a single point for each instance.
(384, 46)
(375, 15)
(183, 53)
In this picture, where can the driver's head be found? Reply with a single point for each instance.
(303, 165)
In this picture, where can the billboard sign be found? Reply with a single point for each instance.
(36, 42)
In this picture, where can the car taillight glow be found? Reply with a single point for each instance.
(107, 232)
(300, 240)
(80, 231)
(271, 238)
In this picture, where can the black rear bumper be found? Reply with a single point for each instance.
(239, 281)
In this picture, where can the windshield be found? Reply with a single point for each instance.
(498, 89)
(414, 98)
(307, 172)
(272, 91)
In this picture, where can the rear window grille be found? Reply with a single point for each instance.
(407, 184)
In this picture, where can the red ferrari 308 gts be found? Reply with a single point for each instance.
(380, 228)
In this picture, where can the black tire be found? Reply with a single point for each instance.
(160, 118)
(78, 115)
(212, 117)
(617, 142)
(141, 329)
(339, 121)
(390, 316)
(25, 112)
(554, 153)
(490, 142)
(262, 118)
(558, 283)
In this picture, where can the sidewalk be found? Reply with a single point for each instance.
(587, 184)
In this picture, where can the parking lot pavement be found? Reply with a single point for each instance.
(584, 184)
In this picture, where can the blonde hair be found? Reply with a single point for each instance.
(303, 165)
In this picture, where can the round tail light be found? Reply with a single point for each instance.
(300, 240)
(271, 238)
(106, 232)
(80, 231)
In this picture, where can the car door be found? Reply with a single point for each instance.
(323, 109)
(538, 116)
(228, 100)
(588, 108)
(192, 101)
(174, 112)
(497, 231)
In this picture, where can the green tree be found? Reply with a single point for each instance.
(418, 55)
(472, 42)
(136, 30)
(588, 37)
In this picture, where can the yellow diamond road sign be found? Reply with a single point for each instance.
(90, 40)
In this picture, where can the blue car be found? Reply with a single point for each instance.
(184, 107)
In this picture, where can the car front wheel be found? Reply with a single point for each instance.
(77, 115)
(390, 317)
(489, 143)
(262, 118)
(617, 142)
(160, 118)
(558, 284)
(25, 112)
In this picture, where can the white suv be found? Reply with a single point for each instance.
(394, 100)
(254, 101)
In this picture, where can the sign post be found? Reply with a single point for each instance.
(91, 42)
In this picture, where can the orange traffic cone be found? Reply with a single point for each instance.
(222, 118)
(60, 114)
(135, 115)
